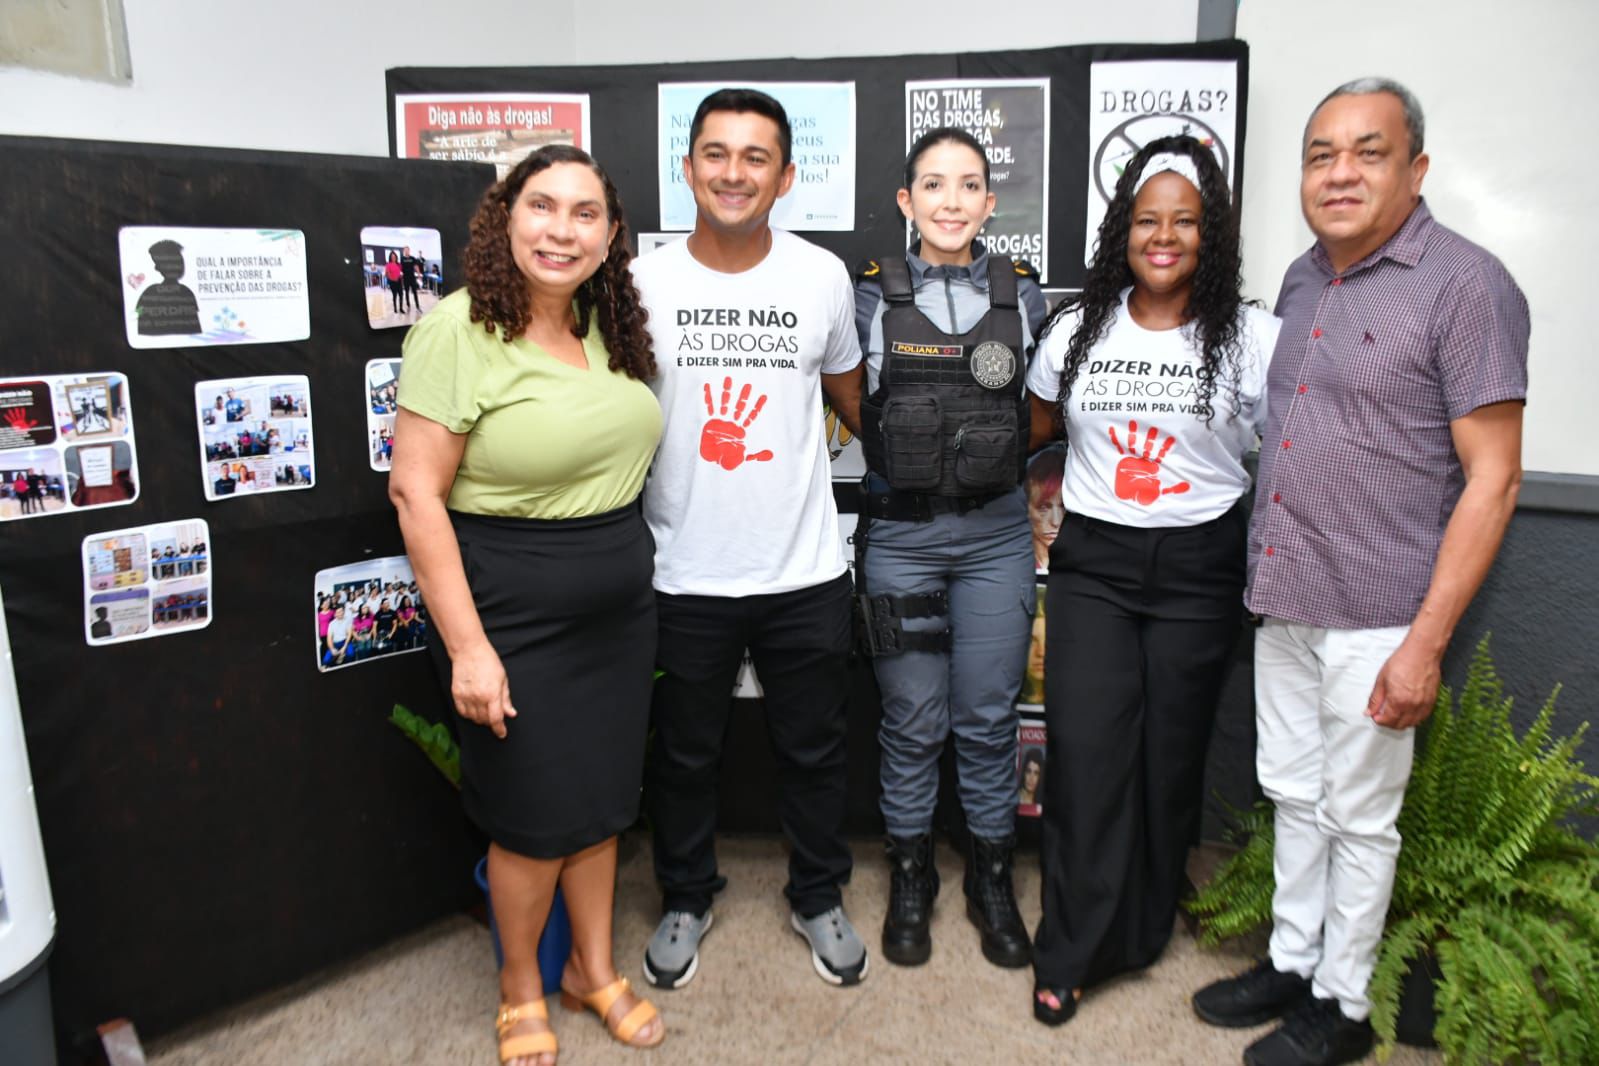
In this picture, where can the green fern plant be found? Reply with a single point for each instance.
(1492, 878)
(1237, 899)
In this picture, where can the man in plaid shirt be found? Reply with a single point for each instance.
(1388, 473)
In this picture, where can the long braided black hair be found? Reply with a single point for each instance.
(1214, 303)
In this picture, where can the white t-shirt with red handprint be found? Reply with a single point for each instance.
(740, 499)
(1141, 454)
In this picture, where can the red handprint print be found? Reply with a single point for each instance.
(1138, 476)
(18, 419)
(722, 439)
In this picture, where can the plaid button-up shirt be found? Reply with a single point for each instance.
(1358, 471)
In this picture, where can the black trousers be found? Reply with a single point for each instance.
(1142, 623)
(800, 643)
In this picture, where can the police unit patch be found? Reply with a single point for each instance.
(993, 365)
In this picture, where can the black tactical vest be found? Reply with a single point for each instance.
(950, 414)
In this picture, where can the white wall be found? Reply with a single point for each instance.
(307, 75)
(1508, 90)
(704, 29)
(294, 75)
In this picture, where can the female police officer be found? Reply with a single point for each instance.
(948, 568)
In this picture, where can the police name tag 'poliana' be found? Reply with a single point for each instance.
(993, 365)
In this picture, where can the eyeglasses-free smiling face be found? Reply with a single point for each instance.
(948, 202)
(1163, 238)
(735, 170)
(558, 228)
(1358, 183)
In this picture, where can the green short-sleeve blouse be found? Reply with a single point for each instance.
(543, 439)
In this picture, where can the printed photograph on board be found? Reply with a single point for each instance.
(31, 483)
(367, 610)
(1030, 767)
(404, 271)
(1032, 694)
(119, 614)
(146, 581)
(255, 435)
(100, 474)
(1045, 508)
(382, 386)
(66, 443)
(178, 550)
(189, 287)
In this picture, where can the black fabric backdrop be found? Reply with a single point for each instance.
(623, 124)
(219, 818)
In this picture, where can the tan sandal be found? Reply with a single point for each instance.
(525, 1045)
(601, 1000)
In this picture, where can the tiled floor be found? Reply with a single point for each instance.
(430, 998)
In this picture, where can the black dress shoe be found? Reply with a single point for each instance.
(1254, 997)
(1316, 1034)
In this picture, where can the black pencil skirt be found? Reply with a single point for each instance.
(568, 606)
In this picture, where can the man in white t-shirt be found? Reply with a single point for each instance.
(751, 326)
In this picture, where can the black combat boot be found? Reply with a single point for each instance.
(991, 903)
(912, 887)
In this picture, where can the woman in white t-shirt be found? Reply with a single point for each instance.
(1158, 371)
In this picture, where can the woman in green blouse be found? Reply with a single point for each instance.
(523, 435)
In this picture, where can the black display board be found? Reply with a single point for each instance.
(623, 122)
(218, 817)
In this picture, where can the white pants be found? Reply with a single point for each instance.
(1338, 780)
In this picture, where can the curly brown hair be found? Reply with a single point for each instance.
(499, 290)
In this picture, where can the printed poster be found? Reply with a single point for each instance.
(498, 128)
(1030, 767)
(1032, 693)
(1010, 118)
(146, 581)
(747, 686)
(189, 287)
(1132, 103)
(1045, 507)
(66, 444)
(367, 610)
(382, 388)
(844, 450)
(403, 268)
(822, 115)
(255, 435)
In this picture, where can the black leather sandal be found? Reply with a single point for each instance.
(1055, 1015)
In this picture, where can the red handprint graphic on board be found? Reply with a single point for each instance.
(18, 420)
(722, 439)
(1138, 476)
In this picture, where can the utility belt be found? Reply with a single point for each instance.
(897, 506)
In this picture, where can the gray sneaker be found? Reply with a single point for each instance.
(836, 950)
(674, 952)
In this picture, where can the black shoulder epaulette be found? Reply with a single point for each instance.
(868, 268)
(1024, 269)
(894, 276)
